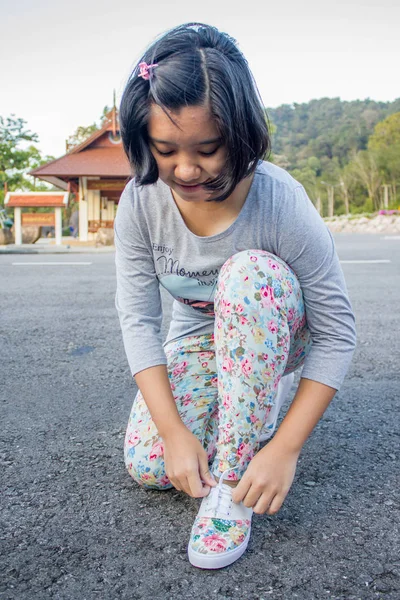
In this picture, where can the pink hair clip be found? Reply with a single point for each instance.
(144, 70)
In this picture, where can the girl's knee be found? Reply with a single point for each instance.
(145, 476)
(270, 262)
(252, 268)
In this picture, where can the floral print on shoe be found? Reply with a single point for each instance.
(221, 530)
(218, 535)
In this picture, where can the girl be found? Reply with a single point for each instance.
(258, 289)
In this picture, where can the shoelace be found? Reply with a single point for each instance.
(219, 499)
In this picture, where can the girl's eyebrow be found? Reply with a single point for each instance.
(203, 143)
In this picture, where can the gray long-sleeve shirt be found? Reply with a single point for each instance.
(154, 246)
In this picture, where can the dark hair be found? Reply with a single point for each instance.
(197, 65)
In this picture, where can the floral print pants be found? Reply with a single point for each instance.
(225, 383)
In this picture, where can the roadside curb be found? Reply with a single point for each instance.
(60, 250)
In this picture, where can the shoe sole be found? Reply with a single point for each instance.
(215, 561)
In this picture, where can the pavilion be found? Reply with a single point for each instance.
(20, 200)
(96, 171)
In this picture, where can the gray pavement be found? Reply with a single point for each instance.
(44, 247)
(75, 526)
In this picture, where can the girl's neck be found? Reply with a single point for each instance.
(210, 218)
(234, 202)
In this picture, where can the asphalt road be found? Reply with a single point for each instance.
(75, 526)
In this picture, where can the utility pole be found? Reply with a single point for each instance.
(386, 195)
(330, 191)
(331, 196)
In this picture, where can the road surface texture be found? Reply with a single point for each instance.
(75, 526)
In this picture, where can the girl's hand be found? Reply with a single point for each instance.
(186, 463)
(267, 480)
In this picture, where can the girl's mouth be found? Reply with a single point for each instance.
(190, 188)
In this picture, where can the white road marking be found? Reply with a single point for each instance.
(362, 262)
(33, 263)
(391, 237)
(347, 262)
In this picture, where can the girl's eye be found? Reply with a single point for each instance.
(170, 152)
(164, 153)
(209, 153)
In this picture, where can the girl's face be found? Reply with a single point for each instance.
(189, 154)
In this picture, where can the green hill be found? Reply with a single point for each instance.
(325, 142)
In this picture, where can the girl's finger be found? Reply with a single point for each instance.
(175, 484)
(195, 486)
(262, 504)
(275, 505)
(205, 472)
(252, 497)
(241, 489)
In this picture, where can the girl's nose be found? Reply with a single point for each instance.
(187, 172)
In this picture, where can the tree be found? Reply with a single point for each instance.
(385, 144)
(366, 171)
(386, 134)
(327, 127)
(17, 158)
(346, 181)
(83, 132)
(80, 135)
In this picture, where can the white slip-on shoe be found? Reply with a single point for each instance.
(221, 530)
(284, 387)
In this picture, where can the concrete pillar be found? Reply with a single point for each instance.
(83, 210)
(110, 210)
(58, 226)
(93, 207)
(17, 226)
(96, 205)
(103, 208)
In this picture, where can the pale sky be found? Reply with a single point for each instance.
(60, 60)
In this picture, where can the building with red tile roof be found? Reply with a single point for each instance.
(97, 171)
(20, 200)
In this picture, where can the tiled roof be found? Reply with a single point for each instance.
(101, 162)
(98, 156)
(31, 199)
